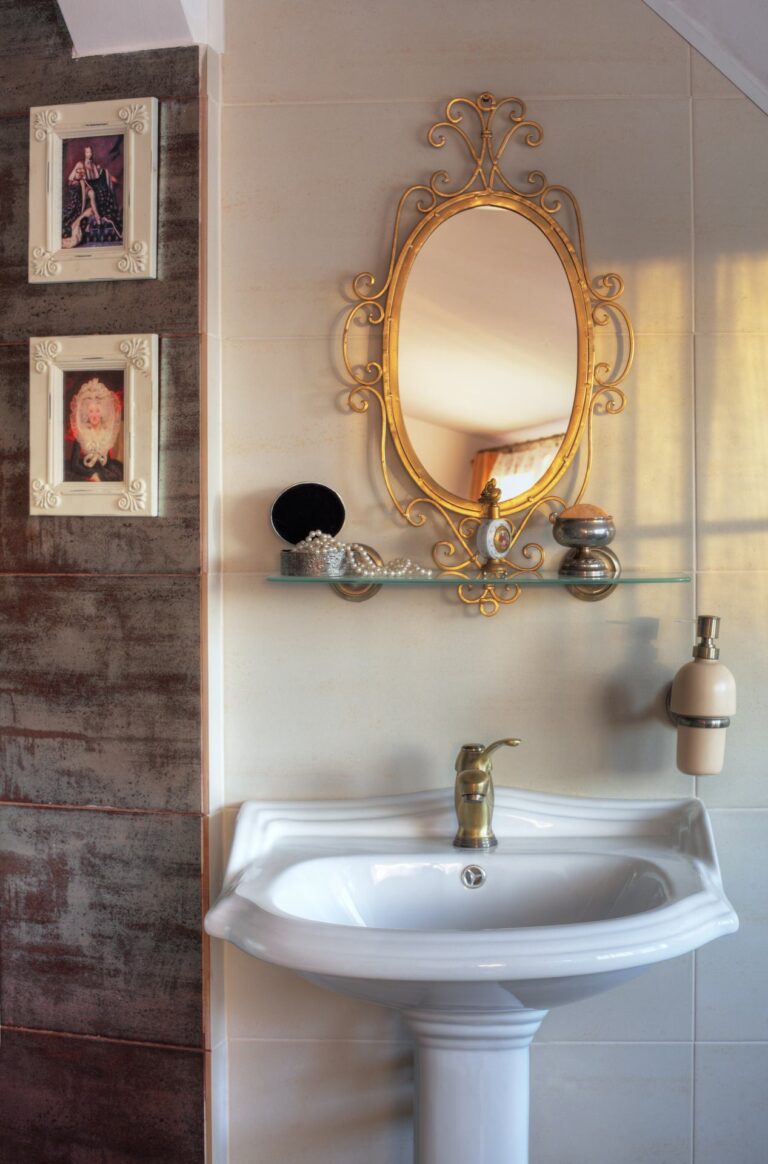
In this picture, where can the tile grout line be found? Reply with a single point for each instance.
(113, 809)
(696, 540)
(263, 573)
(537, 1043)
(737, 808)
(168, 99)
(41, 1032)
(694, 432)
(530, 99)
(163, 335)
(317, 338)
(694, 1057)
(695, 523)
(693, 1105)
(101, 574)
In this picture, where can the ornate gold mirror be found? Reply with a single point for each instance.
(486, 368)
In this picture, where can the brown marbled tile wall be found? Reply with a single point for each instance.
(77, 1101)
(100, 691)
(37, 66)
(100, 923)
(165, 544)
(168, 303)
(102, 1055)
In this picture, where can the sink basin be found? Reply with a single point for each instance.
(370, 898)
(580, 894)
(425, 891)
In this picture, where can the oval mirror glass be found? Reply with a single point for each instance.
(487, 353)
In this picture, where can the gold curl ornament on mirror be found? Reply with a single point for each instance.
(483, 129)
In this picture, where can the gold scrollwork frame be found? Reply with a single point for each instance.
(596, 303)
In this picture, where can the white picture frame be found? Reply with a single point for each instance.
(93, 215)
(78, 468)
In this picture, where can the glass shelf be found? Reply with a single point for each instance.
(540, 579)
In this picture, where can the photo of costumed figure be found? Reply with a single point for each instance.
(93, 440)
(92, 197)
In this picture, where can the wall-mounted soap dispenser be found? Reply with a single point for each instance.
(700, 703)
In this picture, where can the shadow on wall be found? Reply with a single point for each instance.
(305, 1104)
(633, 698)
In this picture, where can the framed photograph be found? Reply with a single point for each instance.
(93, 191)
(93, 426)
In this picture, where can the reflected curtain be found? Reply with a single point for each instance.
(526, 461)
(482, 470)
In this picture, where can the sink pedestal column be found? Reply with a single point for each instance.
(472, 1085)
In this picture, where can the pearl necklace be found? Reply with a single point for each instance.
(323, 548)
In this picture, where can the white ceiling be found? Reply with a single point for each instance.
(732, 34)
(99, 27)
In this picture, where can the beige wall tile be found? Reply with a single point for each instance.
(218, 1012)
(378, 697)
(643, 466)
(730, 177)
(328, 1103)
(732, 452)
(336, 51)
(641, 227)
(311, 200)
(598, 1104)
(210, 64)
(730, 974)
(218, 1122)
(211, 217)
(655, 1007)
(731, 1112)
(285, 420)
(269, 1002)
(707, 81)
(741, 599)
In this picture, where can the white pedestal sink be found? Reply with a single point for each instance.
(368, 897)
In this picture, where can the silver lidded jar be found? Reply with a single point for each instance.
(586, 530)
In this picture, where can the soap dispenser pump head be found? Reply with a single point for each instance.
(707, 630)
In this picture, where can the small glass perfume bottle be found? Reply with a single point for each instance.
(493, 539)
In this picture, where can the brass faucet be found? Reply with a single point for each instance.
(474, 795)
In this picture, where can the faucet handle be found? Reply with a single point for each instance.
(511, 743)
(477, 757)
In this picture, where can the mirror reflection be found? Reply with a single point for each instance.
(487, 352)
